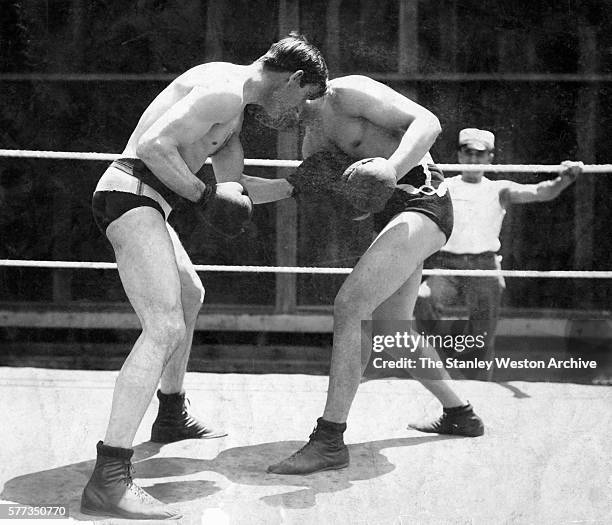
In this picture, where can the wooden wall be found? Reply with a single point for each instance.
(534, 73)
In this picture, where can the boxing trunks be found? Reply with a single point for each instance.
(421, 190)
(127, 184)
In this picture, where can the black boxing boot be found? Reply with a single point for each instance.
(456, 421)
(111, 491)
(174, 423)
(325, 450)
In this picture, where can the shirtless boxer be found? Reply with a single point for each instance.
(359, 118)
(199, 115)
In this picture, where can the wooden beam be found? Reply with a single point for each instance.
(61, 230)
(286, 233)
(62, 205)
(514, 323)
(408, 43)
(586, 132)
(392, 76)
(449, 36)
(286, 211)
(288, 17)
(80, 27)
(215, 16)
(512, 230)
(332, 37)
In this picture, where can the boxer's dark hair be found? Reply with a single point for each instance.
(294, 53)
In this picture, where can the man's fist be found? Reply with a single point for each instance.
(226, 207)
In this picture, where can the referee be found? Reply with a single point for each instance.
(479, 207)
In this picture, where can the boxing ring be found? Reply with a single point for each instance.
(287, 319)
(543, 459)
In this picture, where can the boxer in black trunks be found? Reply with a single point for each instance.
(359, 118)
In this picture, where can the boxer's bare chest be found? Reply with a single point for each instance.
(196, 153)
(355, 136)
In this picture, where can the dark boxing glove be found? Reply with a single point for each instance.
(368, 184)
(319, 173)
(226, 207)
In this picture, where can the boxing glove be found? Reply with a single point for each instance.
(368, 184)
(226, 207)
(318, 173)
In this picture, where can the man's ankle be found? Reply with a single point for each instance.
(330, 426)
(458, 409)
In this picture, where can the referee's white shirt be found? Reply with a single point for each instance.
(478, 215)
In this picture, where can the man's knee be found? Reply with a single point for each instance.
(347, 300)
(166, 332)
(352, 301)
(192, 297)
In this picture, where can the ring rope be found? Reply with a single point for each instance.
(517, 168)
(569, 274)
(280, 163)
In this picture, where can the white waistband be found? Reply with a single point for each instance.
(115, 179)
(425, 189)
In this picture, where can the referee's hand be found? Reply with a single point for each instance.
(572, 170)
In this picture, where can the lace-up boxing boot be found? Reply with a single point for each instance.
(325, 450)
(112, 492)
(174, 423)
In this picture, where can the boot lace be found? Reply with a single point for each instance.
(136, 489)
(302, 450)
(185, 409)
(192, 423)
(439, 423)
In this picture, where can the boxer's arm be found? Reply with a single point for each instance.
(544, 191)
(228, 162)
(416, 142)
(186, 122)
(263, 190)
(384, 107)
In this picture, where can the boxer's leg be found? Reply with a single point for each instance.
(396, 254)
(400, 307)
(174, 422)
(148, 270)
(398, 251)
(483, 298)
(147, 267)
(457, 417)
(192, 297)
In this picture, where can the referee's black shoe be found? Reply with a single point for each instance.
(456, 421)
